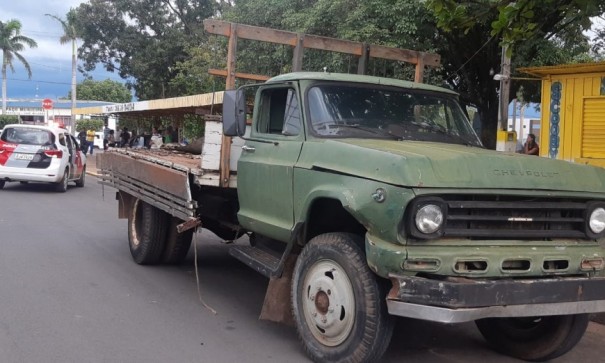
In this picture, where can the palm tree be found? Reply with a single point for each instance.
(11, 44)
(70, 35)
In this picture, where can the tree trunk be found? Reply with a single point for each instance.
(72, 125)
(3, 88)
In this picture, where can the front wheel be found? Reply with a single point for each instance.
(534, 339)
(338, 304)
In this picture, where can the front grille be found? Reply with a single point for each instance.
(515, 217)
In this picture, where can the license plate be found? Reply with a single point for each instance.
(27, 157)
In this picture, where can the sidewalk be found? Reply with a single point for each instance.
(91, 163)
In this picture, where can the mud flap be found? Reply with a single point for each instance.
(277, 306)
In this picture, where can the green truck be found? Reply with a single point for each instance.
(373, 198)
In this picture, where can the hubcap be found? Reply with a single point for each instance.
(328, 302)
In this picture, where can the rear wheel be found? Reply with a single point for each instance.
(2, 184)
(61, 186)
(534, 338)
(177, 244)
(338, 304)
(80, 181)
(146, 233)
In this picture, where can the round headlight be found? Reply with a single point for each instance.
(597, 220)
(430, 218)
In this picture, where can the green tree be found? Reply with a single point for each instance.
(8, 119)
(142, 40)
(107, 90)
(90, 124)
(537, 32)
(70, 35)
(12, 43)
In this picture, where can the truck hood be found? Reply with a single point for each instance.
(438, 165)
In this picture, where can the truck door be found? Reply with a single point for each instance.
(266, 166)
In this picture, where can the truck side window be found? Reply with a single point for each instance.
(280, 112)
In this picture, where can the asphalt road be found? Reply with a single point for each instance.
(69, 292)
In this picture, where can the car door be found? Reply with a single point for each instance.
(266, 165)
(74, 159)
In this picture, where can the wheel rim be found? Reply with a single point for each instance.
(328, 302)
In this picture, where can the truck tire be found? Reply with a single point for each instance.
(146, 233)
(338, 304)
(534, 339)
(177, 244)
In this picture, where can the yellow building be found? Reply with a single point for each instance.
(572, 112)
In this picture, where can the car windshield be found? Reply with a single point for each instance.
(27, 136)
(355, 111)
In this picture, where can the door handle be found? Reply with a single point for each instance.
(248, 148)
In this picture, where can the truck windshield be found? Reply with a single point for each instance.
(357, 111)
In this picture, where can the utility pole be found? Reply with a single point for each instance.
(504, 90)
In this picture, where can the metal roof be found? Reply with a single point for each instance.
(60, 104)
(195, 104)
(346, 77)
(546, 71)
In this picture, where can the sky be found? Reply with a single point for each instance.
(50, 62)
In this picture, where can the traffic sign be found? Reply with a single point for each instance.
(47, 104)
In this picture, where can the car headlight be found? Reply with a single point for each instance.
(429, 218)
(596, 221)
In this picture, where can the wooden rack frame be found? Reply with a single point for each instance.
(299, 42)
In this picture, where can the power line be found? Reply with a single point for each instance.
(471, 58)
(37, 81)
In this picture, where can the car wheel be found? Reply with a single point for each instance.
(146, 233)
(80, 181)
(2, 184)
(177, 244)
(61, 186)
(539, 338)
(338, 304)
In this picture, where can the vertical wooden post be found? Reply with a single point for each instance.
(297, 60)
(230, 84)
(419, 75)
(362, 66)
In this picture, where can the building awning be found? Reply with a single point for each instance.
(200, 104)
(578, 68)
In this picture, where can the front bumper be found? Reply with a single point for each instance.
(457, 300)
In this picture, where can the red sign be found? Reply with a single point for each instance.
(47, 103)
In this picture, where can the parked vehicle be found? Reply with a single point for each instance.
(382, 194)
(30, 153)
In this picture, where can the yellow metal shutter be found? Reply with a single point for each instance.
(593, 128)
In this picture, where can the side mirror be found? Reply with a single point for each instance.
(234, 113)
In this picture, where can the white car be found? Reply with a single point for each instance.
(30, 153)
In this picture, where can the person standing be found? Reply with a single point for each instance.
(531, 147)
(105, 137)
(83, 142)
(124, 137)
(90, 139)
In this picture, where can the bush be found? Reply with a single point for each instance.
(8, 119)
(88, 124)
